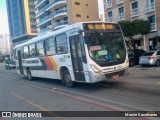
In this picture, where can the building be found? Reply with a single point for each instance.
(102, 17)
(5, 44)
(55, 14)
(117, 10)
(21, 19)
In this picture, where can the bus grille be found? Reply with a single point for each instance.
(120, 73)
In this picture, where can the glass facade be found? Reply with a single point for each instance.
(18, 20)
(22, 17)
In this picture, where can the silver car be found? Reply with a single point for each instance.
(150, 58)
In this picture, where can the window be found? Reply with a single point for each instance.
(40, 49)
(87, 5)
(110, 14)
(152, 19)
(121, 10)
(78, 15)
(32, 50)
(50, 46)
(77, 3)
(61, 43)
(87, 16)
(135, 5)
(25, 52)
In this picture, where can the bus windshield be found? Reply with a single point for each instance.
(106, 47)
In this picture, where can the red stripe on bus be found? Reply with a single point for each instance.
(48, 63)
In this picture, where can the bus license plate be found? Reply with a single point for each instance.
(115, 77)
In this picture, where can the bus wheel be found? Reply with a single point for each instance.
(67, 79)
(29, 75)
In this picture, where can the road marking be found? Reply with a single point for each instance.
(29, 102)
(35, 105)
(55, 90)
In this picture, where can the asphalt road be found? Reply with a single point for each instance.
(139, 91)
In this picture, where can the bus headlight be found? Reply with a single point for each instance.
(95, 69)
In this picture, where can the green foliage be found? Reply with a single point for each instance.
(132, 28)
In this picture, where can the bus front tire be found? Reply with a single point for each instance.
(67, 79)
(29, 75)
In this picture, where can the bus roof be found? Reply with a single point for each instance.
(51, 33)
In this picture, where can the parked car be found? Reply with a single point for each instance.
(150, 58)
(10, 65)
(134, 56)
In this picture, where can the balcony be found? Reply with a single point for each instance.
(44, 20)
(56, 4)
(153, 26)
(121, 16)
(60, 14)
(39, 3)
(119, 1)
(108, 5)
(109, 19)
(61, 24)
(41, 11)
(150, 8)
(134, 12)
(43, 30)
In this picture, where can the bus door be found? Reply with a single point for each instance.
(20, 62)
(76, 55)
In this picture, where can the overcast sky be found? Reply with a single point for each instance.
(4, 21)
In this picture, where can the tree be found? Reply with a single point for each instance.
(136, 27)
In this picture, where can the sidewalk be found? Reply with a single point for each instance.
(145, 71)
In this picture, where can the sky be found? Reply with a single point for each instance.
(4, 20)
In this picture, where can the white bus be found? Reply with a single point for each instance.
(87, 52)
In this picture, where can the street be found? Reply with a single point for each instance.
(138, 91)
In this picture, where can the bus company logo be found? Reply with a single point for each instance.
(6, 114)
(107, 69)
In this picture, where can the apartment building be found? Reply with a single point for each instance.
(118, 10)
(55, 14)
(4, 44)
(21, 19)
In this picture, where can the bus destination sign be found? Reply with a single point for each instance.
(98, 26)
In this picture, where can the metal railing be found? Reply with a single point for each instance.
(108, 4)
(43, 20)
(59, 12)
(150, 7)
(38, 3)
(153, 26)
(55, 2)
(43, 30)
(59, 24)
(134, 12)
(42, 10)
(121, 16)
(109, 19)
(119, 1)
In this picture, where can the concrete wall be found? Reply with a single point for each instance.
(86, 8)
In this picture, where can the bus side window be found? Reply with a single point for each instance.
(50, 46)
(25, 52)
(61, 44)
(40, 48)
(32, 50)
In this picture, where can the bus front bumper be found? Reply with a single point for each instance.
(98, 77)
